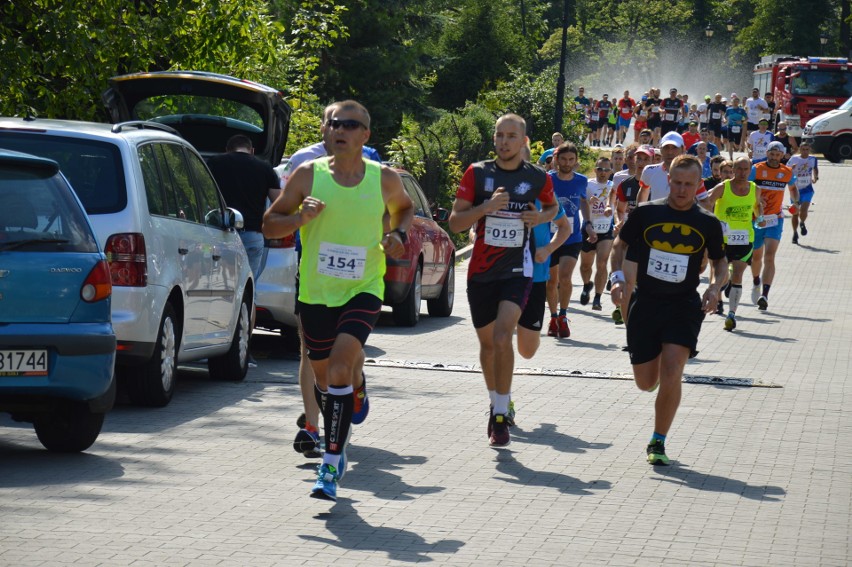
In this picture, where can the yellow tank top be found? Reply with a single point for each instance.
(735, 212)
(342, 255)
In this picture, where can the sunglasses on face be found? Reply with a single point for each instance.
(603, 169)
(336, 123)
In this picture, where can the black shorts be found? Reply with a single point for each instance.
(751, 127)
(666, 127)
(740, 252)
(322, 324)
(572, 250)
(654, 321)
(716, 128)
(532, 317)
(588, 246)
(593, 126)
(654, 122)
(485, 297)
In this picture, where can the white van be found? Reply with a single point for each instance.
(830, 134)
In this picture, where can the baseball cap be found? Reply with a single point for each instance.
(763, 121)
(724, 99)
(734, 95)
(707, 97)
(672, 90)
(776, 146)
(647, 150)
(693, 123)
(672, 138)
(644, 97)
(657, 152)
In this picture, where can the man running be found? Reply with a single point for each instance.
(790, 145)
(493, 195)
(755, 108)
(672, 108)
(806, 171)
(604, 107)
(597, 242)
(665, 242)
(339, 204)
(735, 117)
(555, 139)
(625, 115)
(655, 178)
(715, 113)
(772, 177)
(736, 202)
(759, 140)
(652, 105)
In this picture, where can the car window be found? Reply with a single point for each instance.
(186, 201)
(92, 167)
(154, 191)
(208, 192)
(38, 213)
(421, 208)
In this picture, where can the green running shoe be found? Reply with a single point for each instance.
(616, 316)
(657, 453)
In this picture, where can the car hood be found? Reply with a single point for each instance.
(206, 108)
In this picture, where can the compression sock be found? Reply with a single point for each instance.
(597, 298)
(736, 294)
(553, 314)
(766, 291)
(337, 417)
(657, 437)
(320, 397)
(562, 312)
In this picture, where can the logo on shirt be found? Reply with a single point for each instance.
(523, 188)
(674, 237)
(489, 184)
(779, 175)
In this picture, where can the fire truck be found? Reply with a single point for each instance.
(803, 87)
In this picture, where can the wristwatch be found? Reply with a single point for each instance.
(403, 235)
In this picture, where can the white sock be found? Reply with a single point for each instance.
(501, 404)
(329, 459)
(735, 296)
(492, 397)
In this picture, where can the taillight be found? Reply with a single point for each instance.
(286, 242)
(128, 264)
(97, 285)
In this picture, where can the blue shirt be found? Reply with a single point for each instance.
(542, 235)
(568, 194)
(712, 149)
(736, 116)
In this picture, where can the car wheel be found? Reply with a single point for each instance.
(153, 383)
(406, 313)
(70, 428)
(442, 306)
(233, 365)
(841, 150)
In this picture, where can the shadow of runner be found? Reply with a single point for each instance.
(684, 476)
(351, 532)
(519, 474)
(546, 434)
(370, 472)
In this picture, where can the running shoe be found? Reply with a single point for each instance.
(499, 431)
(657, 385)
(301, 421)
(755, 293)
(307, 443)
(616, 316)
(564, 331)
(727, 289)
(804, 229)
(326, 485)
(720, 308)
(553, 328)
(510, 415)
(657, 453)
(584, 295)
(795, 238)
(608, 284)
(762, 303)
(730, 322)
(252, 363)
(596, 306)
(362, 402)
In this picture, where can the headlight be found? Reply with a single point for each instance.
(818, 126)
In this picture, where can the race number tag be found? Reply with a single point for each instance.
(670, 117)
(343, 262)
(554, 227)
(601, 224)
(716, 115)
(771, 220)
(667, 266)
(736, 129)
(655, 108)
(737, 237)
(504, 232)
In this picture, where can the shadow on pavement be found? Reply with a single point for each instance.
(427, 324)
(33, 466)
(682, 475)
(546, 434)
(819, 250)
(762, 337)
(517, 473)
(351, 532)
(370, 472)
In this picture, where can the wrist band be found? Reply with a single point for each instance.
(617, 277)
(760, 218)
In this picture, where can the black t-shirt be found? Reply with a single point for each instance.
(604, 107)
(650, 103)
(716, 108)
(244, 182)
(711, 182)
(671, 109)
(668, 245)
(628, 192)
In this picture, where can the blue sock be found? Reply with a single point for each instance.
(563, 312)
(657, 437)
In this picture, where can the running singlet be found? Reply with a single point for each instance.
(568, 194)
(656, 178)
(668, 246)
(772, 182)
(803, 169)
(759, 142)
(736, 213)
(736, 120)
(671, 109)
(653, 106)
(754, 109)
(502, 247)
(625, 108)
(597, 194)
(715, 112)
(342, 253)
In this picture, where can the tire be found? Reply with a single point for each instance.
(153, 383)
(442, 306)
(70, 428)
(406, 313)
(233, 365)
(841, 150)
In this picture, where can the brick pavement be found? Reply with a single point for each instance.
(761, 476)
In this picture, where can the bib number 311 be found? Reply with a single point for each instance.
(667, 266)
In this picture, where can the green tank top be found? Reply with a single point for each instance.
(342, 255)
(735, 212)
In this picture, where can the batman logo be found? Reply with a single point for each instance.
(674, 237)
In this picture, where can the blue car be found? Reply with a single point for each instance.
(57, 345)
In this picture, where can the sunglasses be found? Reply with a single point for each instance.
(603, 169)
(336, 123)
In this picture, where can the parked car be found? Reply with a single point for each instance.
(207, 109)
(182, 286)
(427, 270)
(830, 134)
(57, 345)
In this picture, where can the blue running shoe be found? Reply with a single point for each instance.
(326, 485)
(362, 402)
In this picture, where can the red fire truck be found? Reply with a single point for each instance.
(803, 87)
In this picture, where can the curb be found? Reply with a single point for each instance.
(464, 253)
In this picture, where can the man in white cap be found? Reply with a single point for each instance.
(655, 178)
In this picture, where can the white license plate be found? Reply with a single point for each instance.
(23, 362)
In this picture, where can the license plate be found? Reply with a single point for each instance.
(23, 362)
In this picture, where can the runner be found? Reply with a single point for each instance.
(758, 141)
(625, 114)
(686, 114)
(652, 105)
(640, 113)
(770, 113)
(555, 139)
(772, 177)
(716, 112)
(735, 117)
(655, 178)
(666, 241)
(691, 136)
(570, 190)
(597, 243)
(339, 204)
(612, 119)
(672, 108)
(790, 145)
(707, 138)
(736, 202)
(497, 196)
(806, 172)
(755, 108)
(603, 109)
(646, 136)
(702, 111)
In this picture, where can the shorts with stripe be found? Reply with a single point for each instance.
(321, 324)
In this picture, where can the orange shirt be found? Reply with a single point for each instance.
(772, 182)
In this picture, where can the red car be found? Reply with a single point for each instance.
(427, 271)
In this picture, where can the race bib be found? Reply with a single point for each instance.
(770, 221)
(655, 109)
(716, 116)
(737, 237)
(342, 262)
(667, 266)
(670, 117)
(601, 224)
(736, 129)
(504, 232)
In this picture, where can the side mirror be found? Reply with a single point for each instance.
(233, 219)
(441, 215)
